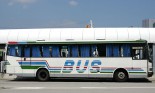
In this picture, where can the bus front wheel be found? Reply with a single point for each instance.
(120, 76)
(42, 75)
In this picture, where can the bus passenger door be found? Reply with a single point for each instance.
(26, 61)
(2, 57)
(2, 64)
(139, 62)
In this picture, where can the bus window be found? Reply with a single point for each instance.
(94, 51)
(125, 51)
(74, 51)
(50, 51)
(55, 51)
(116, 51)
(1, 56)
(113, 50)
(150, 53)
(69, 51)
(27, 51)
(47, 51)
(121, 51)
(8, 50)
(109, 50)
(12, 51)
(36, 51)
(137, 52)
(18, 50)
(64, 51)
(101, 50)
(85, 50)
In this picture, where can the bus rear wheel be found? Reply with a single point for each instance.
(42, 75)
(120, 76)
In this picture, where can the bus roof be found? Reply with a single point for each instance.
(77, 34)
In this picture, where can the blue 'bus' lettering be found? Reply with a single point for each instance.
(68, 66)
(95, 66)
(82, 70)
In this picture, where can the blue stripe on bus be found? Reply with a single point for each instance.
(38, 64)
(22, 42)
(32, 63)
(137, 69)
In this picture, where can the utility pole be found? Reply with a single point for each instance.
(90, 25)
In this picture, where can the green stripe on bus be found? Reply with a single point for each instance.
(30, 67)
(86, 42)
(106, 72)
(66, 71)
(55, 71)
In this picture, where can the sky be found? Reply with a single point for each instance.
(74, 13)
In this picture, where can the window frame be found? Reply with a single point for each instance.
(69, 54)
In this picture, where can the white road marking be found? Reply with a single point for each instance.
(118, 87)
(33, 88)
(36, 88)
(28, 88)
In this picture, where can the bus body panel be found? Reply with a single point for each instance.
(77, 67)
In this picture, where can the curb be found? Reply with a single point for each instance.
(152, 78)
(7, 77)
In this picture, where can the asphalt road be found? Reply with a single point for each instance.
(76, 86)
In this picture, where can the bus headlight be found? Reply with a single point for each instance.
(151, 69)
(6, 63)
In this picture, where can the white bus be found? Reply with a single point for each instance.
(119, 60)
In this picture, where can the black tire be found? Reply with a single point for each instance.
(120, 76)
(42, 75)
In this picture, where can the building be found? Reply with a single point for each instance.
(150, 23)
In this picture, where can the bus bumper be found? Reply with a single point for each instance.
(150, 74)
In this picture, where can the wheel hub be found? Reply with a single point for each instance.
(121, 75)
(43, 75)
